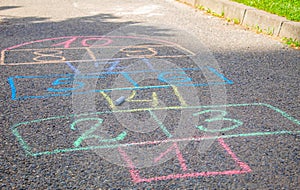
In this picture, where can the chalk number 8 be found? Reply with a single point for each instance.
(48, 55)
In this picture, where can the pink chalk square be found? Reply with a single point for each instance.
(186, 173)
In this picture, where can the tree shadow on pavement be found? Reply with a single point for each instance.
(8, 7)
(23, 29)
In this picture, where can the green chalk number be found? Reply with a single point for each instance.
(220, 117)
(88, 133)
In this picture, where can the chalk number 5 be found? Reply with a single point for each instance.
(65, 81)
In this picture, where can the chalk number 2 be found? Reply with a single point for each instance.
(88, 134)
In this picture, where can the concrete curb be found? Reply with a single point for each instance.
(251, 17)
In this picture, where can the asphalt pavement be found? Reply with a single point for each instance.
(143, 95)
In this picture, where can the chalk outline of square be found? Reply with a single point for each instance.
(28, 151)
(136, 178)
(2, 60)
(15, 97)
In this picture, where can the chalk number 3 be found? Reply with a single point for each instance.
(220, 117)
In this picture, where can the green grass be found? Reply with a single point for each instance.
(286, 8)
(291, 42)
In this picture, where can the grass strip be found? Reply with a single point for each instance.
(289, 9)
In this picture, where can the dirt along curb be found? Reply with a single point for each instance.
(250, 17)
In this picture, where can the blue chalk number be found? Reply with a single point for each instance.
(65, 81)
(175, 77)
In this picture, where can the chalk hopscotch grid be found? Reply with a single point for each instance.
(136, 178)
(133, 171)
(14, 96)
(28, 151)
(91, 54)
